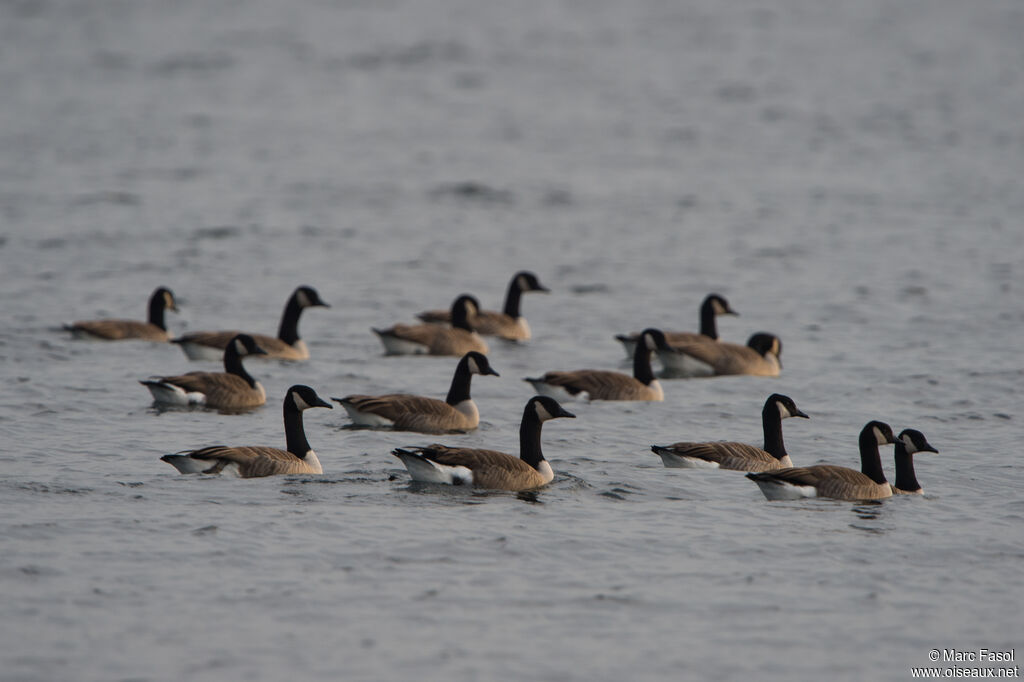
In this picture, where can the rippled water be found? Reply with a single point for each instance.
(847, 174)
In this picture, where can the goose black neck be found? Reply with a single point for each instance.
(529, 438)
(707, 320)
(906, 479)
(771, 422)
(459, 318)
(233, 364)
(870, 460)
(157, 306)
(289, 329)
(642, 371)
(459, 390)
(294, 431)
(512, 298)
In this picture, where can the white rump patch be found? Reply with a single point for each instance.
(557, 392)
(366, 418)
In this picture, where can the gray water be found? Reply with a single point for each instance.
(847, 174)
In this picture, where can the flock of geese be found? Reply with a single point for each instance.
(459, 332)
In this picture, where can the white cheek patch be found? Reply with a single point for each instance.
(784, 412)
(240, 348)
(303, 300)
(650, 342)
(908, 443)
(880, 437)
(542, 413)
(522, 283)
(299, 402)
(473, 367)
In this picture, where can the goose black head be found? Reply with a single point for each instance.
(477, 363)
(307, 297)
(765, 343)
(787, 408)
(719, 306)
(881, 431)
(654, 339)
(914, 441)
(303, 398)
(243, 345)
(546, 408)
(165, 298)
(527, 281)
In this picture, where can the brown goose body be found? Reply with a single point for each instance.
(507, 324)
(760, 357)
(712, 306)
(596, 384)
(490, 468)
(738, 456)
(232, 389)
(287, 345)
(457, 412)
(154, 329)
(837, 482)
(253, 461)
(432, 339)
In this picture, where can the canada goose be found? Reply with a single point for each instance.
(713, 305)
(907, 443)
(259, 460)
(457, 412)
(231, 389)
(594, 384)
(826, 480)
(117, 330)
(431, 339)
(760, 357)
(508, 324)
(490, 468)
(739, 456)
(286, 346)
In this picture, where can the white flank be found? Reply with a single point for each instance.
(774, 490)
(683, 365)
(366, 418)
(426, 471)
(395, 346)
(674, 461)
(557, 392)
(197, 351)
(175, 395)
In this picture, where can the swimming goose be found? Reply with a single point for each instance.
(431, 339)
(508, 324)
(594, 384)
(760, 357)
(286, 346)
(739, 456)
(490, 468)
(117, 330)
(907, 443)
(258, 460)
(713, 305)
(231, 389)
(826, 480)
(399, 411)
